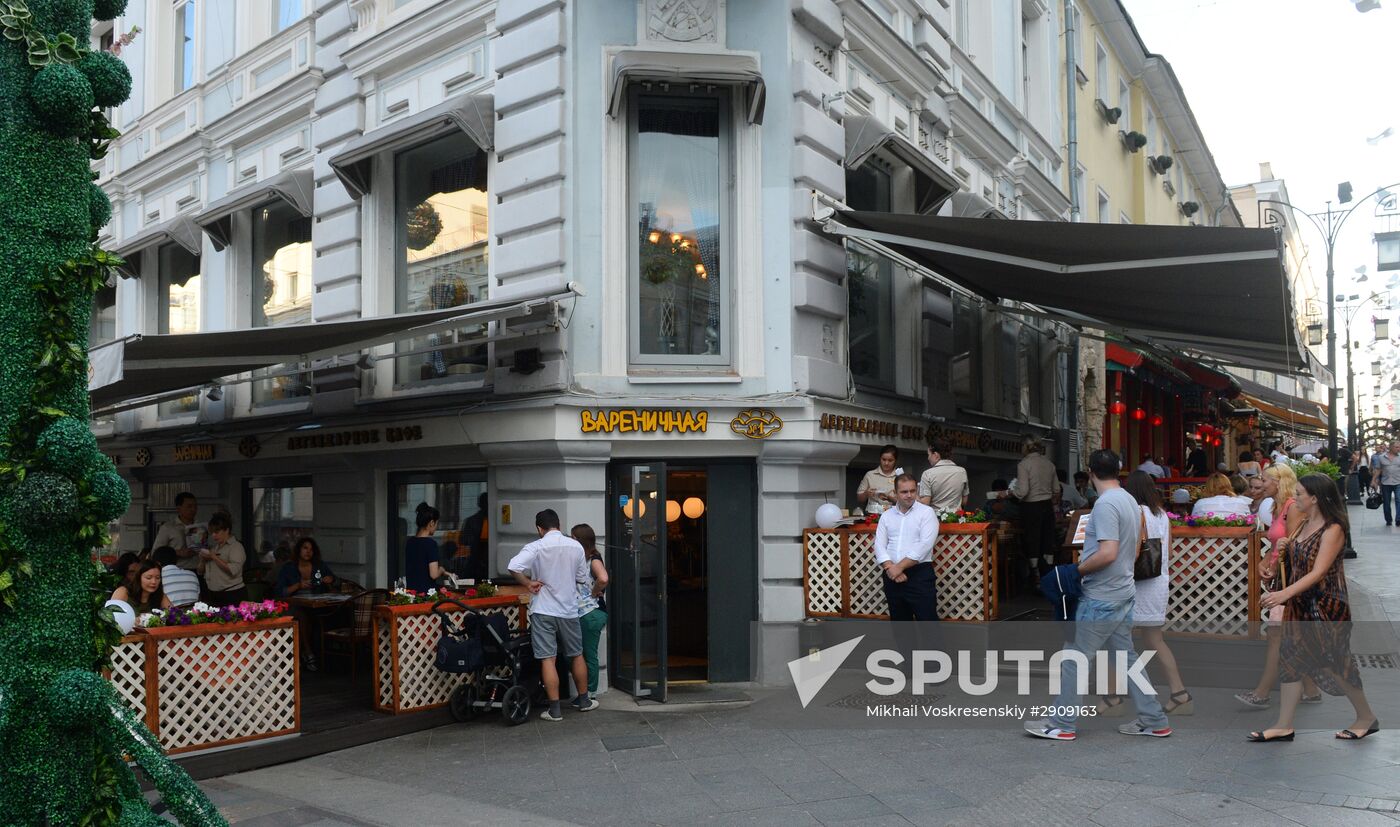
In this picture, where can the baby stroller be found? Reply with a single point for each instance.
(503, 671)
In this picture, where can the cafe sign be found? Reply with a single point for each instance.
(643, 421)
(363, 436)
(873, 427)
(967, 440)
(194, 452)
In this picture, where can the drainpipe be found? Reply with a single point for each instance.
(1071, 114)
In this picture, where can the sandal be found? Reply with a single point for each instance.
(1111, 706)
(1259, 737)
(1252, 700)
(1312, 699)
(1350, 734)
(1180, 705)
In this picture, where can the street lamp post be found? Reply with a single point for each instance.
(1353, 491)
(1329, 223)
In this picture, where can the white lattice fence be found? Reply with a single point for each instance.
(961, 565)
(128, 673)
(226, 687)
(412, 641)
(822, 577)
(383, 663)
(1210, 583)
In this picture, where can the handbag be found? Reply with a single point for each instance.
(1148, 563)
(1373, 499)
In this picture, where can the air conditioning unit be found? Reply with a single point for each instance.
(1159, 163)
(1188, 208)
(1133, 141)
(1110, 114)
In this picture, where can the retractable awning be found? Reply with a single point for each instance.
(1216, 291)
(865, 135)
(179, 230)
(139, 367)
(293, 187)
(1289, 411)
(473, 115)
(681, 68)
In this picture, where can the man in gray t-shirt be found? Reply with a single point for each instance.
(1104, 618)
(1116, 516)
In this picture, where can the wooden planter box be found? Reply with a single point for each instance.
(212, 685)
(840, 578)
(405, 643)
(1214, 581)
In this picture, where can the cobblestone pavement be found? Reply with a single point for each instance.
(620, 767)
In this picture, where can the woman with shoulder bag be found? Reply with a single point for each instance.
(1150, 606)
(1278, 515)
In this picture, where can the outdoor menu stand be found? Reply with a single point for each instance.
(212, 684)
(405, 644)
(840, 578)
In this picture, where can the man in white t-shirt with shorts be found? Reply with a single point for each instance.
(551, 568)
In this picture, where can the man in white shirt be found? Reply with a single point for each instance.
(944, 486)
(551, 568)
(180, 585)
(182, 533)
(904, 542)
(1150, 466)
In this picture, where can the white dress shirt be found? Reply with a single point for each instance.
(559, 563)
(902, 534)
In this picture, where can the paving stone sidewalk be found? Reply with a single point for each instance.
(714, 767)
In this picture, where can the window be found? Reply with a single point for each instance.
(455, 494)
(960, 20)
(288, 13)
(280, 512)
(1125, 102)
(678, 179)
(440, 237)
(870, 286)
(1101, 71)
(103, 325)
(281, 286)
(1151, 132)
(1105, 209)
(184, 44)
(177, 308)
(965, 368)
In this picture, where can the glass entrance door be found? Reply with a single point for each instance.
(638, 557)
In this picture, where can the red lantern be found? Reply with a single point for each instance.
(1216, 442)
(1157, 421)
(1117, 408)
(1139, 414)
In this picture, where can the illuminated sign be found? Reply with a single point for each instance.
(643, 421)
(194, 452)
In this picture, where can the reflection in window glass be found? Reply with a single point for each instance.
(103, 325)
(280, 515)
(178, 302)
(870, 286)
(441, 243)
(677, 177)
(184, 46)
(281, 286)
(965, 368)
(288, 12)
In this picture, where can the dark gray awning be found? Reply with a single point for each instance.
(179, 230)
(294, 187)
(865, 135)
(1219, 291)
(138, 367)
(679, 68)
(474, 115)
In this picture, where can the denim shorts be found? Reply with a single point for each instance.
(549, 634)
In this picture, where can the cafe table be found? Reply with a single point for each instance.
(318, 607)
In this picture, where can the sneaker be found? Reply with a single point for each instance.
(1137, 727)
(588, 707)
(1252, 700)
(551, 717)
(1043, 729)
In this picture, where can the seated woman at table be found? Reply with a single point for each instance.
(1220, 499)
(143, 591)
(307, 573)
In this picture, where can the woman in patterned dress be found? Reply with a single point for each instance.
(1317, 621)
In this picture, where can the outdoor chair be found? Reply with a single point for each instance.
(361, 627)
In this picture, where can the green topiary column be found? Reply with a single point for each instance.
(63, 732)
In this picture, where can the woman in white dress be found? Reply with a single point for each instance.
(1150, 608)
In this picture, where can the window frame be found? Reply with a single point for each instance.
(1101, 73)
(164, 411)
(277, 7)
(186, 12)
(1105, 205)
(726, 357)
(252, 269)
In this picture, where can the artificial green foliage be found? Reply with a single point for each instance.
(108, 9)
(63, 730)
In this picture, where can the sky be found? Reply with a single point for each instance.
(1301, 84)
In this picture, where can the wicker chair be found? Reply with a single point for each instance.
(361, 626)
(349, 586)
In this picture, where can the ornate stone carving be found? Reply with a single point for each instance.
(683, 21)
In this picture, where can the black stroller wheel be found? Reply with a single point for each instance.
(515, 705)
(462, 702)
